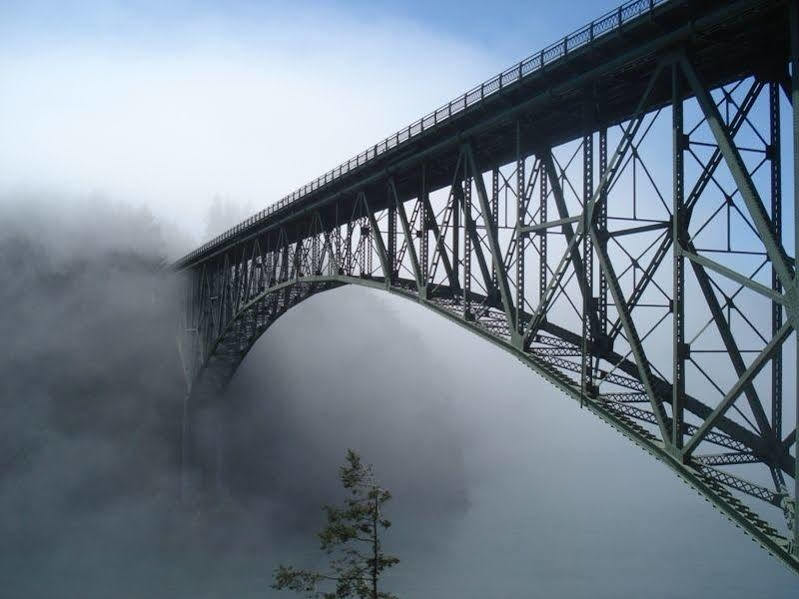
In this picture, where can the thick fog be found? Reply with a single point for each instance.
(502, 486)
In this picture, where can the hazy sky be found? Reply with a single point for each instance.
(171, 104)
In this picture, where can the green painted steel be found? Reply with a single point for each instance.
(665, 298)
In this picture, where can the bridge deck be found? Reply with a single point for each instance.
(726, 40)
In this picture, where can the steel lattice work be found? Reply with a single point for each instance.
(609, 211)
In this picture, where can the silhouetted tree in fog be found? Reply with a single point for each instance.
(351, 539)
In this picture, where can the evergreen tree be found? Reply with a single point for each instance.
(352, 541)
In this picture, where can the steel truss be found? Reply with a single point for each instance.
(637, 264)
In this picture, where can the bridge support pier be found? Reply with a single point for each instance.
(184, 448)
(202, 472)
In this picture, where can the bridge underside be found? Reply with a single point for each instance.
(616, 223)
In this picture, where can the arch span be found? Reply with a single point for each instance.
(225, 353)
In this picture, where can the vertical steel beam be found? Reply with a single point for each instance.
(240, 277)
(679, 226)
(494, 213)
(222, 280)
(406, 229)
(266, 263)
(380, 245)
(365, 246)
(284, 262)
(315, 249)
(425, 216)
(392, 241)
(475, 242)
(248, 270)
(493, 244)
(586, 384)
(297, 260)
(348, 249)
(520, 237)
(274, 258)
(332, 265)
(467, 249)
(456, 226)
(602, 229)
(359, 253)
(794, 25)
(209, 322)
(440, 247)
(339, 268)
(542, 235)
(568, 231)
(776, 220)
(262, 264)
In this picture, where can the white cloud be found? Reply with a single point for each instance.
(249, 117)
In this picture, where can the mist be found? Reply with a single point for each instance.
(502, 487)
(92, 392)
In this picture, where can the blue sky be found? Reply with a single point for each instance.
(172, 104)
(514, 27)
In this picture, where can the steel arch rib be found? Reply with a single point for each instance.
(695, 474)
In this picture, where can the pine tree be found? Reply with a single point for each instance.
(351, 539)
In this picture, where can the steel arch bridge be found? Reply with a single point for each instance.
(610, 211)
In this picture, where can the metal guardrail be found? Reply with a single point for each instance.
(597, 28)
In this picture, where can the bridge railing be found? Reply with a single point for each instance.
(534, 63)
